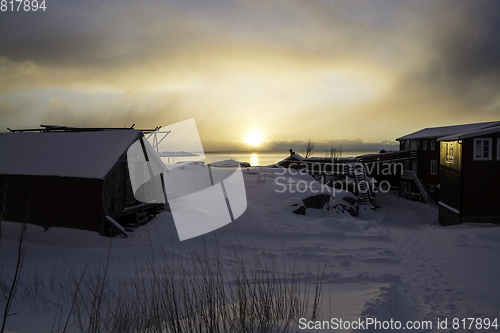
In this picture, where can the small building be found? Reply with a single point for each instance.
(470, 177)
(293, 161)
(64, 177)
(421, 173)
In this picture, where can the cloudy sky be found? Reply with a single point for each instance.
(335, 71)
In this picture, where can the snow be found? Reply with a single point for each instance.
(391, 262)
(66, 154)
(454, 210)
(439, 132)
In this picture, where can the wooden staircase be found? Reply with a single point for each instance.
(420, 185)
(427, 197)
(364, 191)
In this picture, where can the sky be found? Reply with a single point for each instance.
(356, 73)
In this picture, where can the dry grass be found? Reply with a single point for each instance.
(202, 291)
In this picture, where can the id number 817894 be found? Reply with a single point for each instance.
(22, 5)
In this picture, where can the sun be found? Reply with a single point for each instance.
(254, 138)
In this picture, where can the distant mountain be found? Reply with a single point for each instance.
(176, 154)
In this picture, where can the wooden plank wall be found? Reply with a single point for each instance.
(51, 201)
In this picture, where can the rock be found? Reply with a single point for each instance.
(352, 206)
(316, 201)
(350, 210)
(301, 210)
(351, 200)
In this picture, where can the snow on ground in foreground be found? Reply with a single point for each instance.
(393, 262)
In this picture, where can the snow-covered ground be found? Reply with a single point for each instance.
(392, 262)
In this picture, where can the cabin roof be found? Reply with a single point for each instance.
(439, 132)
(294, 157)
(65, 154)
(470, 134)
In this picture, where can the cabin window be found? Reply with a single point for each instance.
(450, 150)
(433, 144)
(482, 149)
(431, 188)
(414, 145)
(407, 145)
(424, 145)
(434, 167)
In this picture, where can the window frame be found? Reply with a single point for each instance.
(433, 172)
(433, 144)
(474, 150)
(424, 144)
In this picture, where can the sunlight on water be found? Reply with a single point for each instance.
(254, 159)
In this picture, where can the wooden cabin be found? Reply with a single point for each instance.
(69, 178)
(470, 177)
(421, 175)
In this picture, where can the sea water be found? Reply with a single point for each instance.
(256, 158)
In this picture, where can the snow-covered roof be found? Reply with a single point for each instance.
(65, 154)
(439, 132)
(470, 134)
(294, 157)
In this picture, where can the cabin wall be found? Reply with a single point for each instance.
(117, 192)
(422, 165)
(424, 160)
(450, 183)
(448, 217)
(50, 201)
(481, 194)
